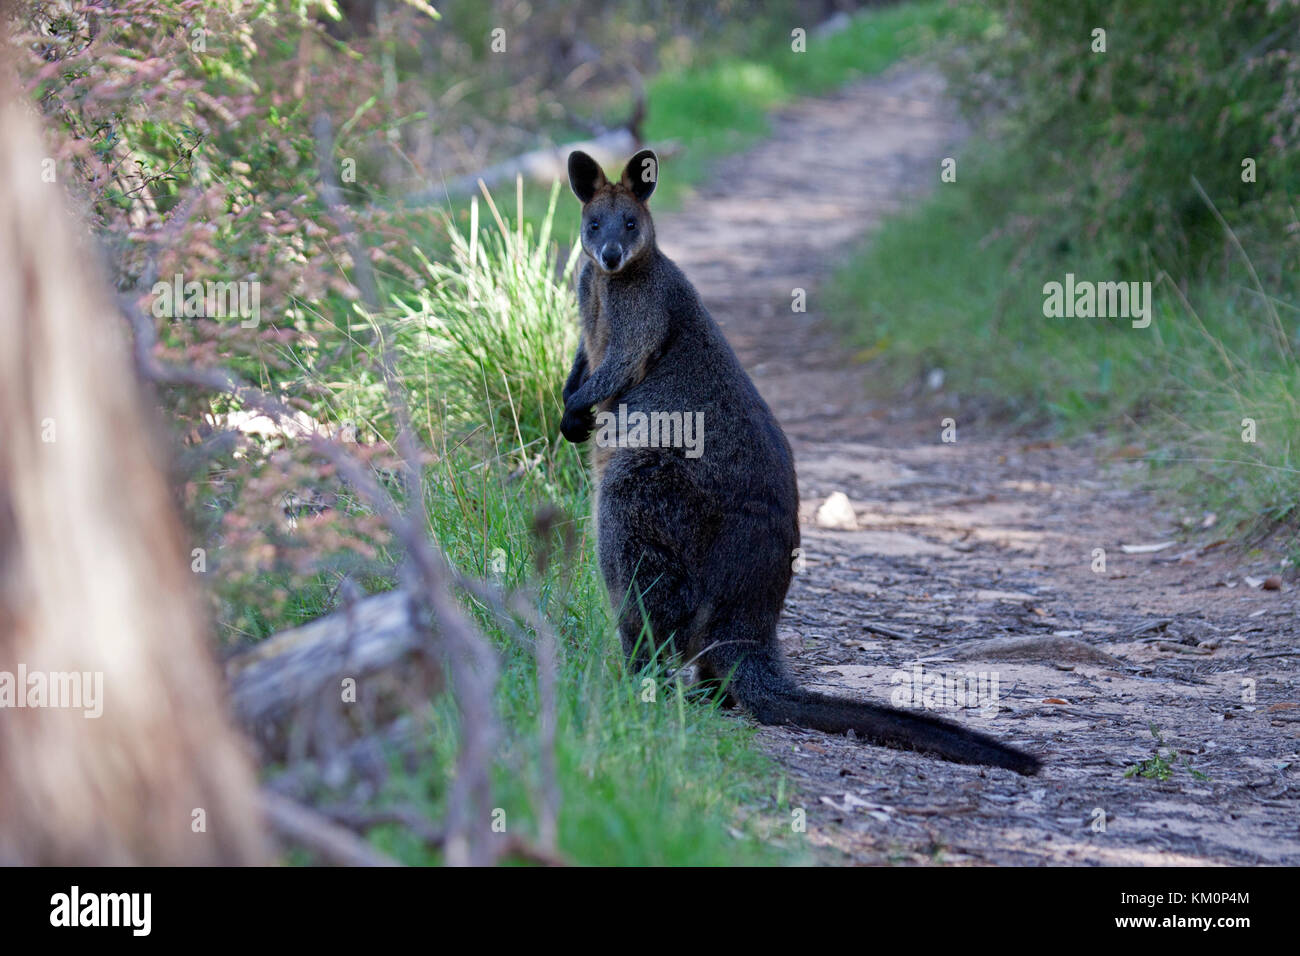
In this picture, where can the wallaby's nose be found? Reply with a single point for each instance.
(610, 254)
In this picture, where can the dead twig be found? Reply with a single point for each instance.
(409, 819)
(301, 826)
(1156, 625)
(874, 628)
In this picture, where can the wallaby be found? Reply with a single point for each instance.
(698, 542)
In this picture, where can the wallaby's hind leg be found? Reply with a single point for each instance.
(650, 618)
(651, 595)
(740, 654)
(647, 557)
(714, 685)
(636, 634)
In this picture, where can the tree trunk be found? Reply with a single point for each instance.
(95, 579)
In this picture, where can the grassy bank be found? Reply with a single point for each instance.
(958, 285)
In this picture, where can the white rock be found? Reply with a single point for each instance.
(837, 512)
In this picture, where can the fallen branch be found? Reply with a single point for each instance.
(271, 682)
(301, 826)
(369, 758)
(407, 818)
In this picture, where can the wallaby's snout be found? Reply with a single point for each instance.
(611, 254)
(616, 226)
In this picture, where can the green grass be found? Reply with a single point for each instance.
(493, 333)
(957, 284)
(1162, 765)
(663, 782)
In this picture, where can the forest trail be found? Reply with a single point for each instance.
(988, 537)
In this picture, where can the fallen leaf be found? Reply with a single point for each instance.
(1055, 700)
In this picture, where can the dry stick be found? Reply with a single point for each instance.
(472, 662)
(410, 819)
(544, 651)
(300, 825)
(545, 644)
(544, 647)
(548, 832)
(361, 818)
(883, 631)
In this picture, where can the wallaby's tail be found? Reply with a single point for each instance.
(760, 684)
(893, 728)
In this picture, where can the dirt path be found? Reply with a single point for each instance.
(985, 537)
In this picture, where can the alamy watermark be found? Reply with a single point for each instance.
(62, 689)
(936, 691)
(1083, 299)
(651, 430)
(179, 299)
(132, 911)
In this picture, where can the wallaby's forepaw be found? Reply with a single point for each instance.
(576, 425)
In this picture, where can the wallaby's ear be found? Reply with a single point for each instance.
(642, 174)
(585, 175)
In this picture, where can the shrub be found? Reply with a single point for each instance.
(1182, 90)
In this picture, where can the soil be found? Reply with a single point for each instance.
(979, 556)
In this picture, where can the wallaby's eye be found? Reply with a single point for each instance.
(631, 224)
(593, 226)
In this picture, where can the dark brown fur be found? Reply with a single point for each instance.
(700, 549)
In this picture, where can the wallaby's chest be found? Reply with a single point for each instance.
(597, 312)
(628, 317)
